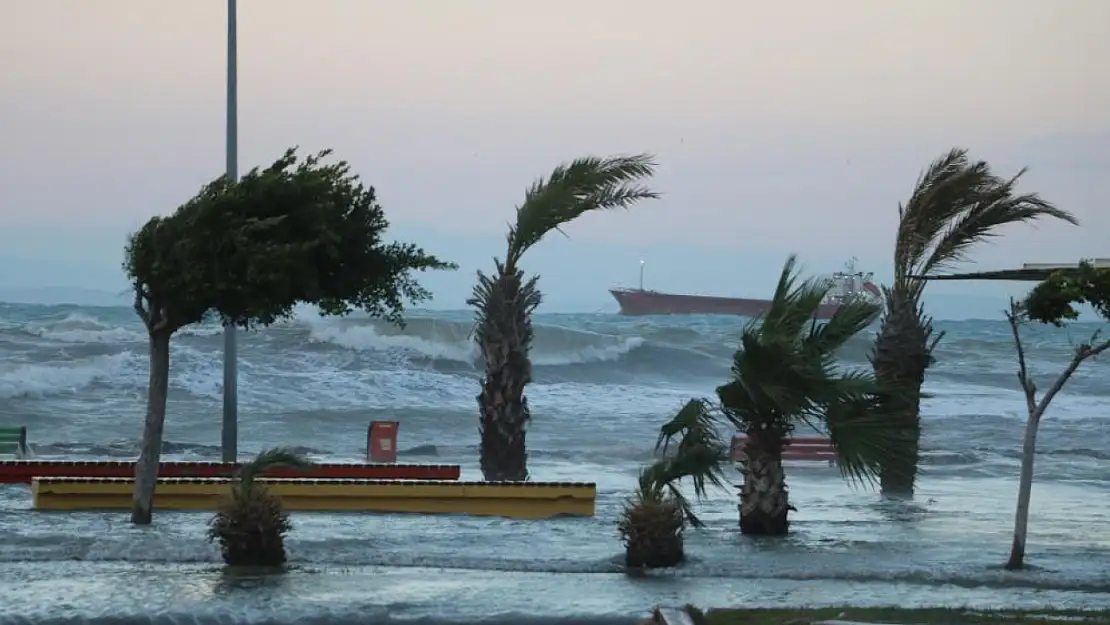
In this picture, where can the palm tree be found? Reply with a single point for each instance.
(505, 300)
(784, 374)
(250, 523)
(654, 519)
(955, 204)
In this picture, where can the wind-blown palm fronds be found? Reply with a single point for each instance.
(786, 373)
(250, 523)
(956, 204)
(654, 519)
(505, 300)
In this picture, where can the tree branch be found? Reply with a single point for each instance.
(1027, 385)
(140, 309)
(1083, 352)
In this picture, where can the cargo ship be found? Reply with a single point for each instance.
(846, 285)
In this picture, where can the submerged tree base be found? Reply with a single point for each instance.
(652, 533)
(760, 523)
(250, 526)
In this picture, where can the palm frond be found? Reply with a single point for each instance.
(794, 304)
(851, 318)
(996, 206)
(694, 425)
(865, 432)
(955, 204)
(786, 372)
(700, 455)
(571, 190)
(268, 459)
(939, 195)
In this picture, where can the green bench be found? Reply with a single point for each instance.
(13, 441)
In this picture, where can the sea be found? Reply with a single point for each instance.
(76, 377)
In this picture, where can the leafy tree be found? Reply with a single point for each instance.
(1052, 301)
(955, 204)
(250, 523)
(247, 252)
(786, 373)
(505, 300)
(654, 519)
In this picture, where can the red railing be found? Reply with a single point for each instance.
(810, 448)
(23, 471)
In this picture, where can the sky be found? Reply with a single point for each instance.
(779, 127)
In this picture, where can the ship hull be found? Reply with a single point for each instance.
(637, 302)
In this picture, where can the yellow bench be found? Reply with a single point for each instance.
(517, 500)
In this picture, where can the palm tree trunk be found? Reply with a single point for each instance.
(900, 359)
(764, 501)
(146, 468)
(503, 424)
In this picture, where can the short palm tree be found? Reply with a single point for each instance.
(250, 523)
(505, 300)
(654, 519)
(955, 204)
(784, 374)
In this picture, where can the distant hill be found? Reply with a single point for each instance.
(51, 295)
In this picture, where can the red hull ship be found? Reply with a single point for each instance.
(846, 285)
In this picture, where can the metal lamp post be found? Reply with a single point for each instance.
(230, 438)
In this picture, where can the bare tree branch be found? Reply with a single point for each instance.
(1027, 385)
(1083, 352)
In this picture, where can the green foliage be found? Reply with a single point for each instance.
(572, 190)
(786, 372)
(1054, 300)
(653, 520)
(250, 523)
(270, 459)
(249, 251)
(956, 204)
(700, 455)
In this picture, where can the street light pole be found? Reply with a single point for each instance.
(641, 275)
(230, 438)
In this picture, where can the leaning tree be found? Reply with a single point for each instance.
(505, 300)
(1052, 301)
(247, 252)
(955, 204)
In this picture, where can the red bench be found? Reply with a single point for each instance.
(807, 448)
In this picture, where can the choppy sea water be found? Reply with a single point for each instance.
(76, 377)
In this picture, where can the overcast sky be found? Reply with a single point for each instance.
(793, 126)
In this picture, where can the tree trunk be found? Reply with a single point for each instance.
(652, 534)
(146, 469)
(900, 358)
(1025, 491)
(764, 501)
(898, 476)
(503, 427)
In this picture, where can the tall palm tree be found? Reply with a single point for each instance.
(784, 374)
(505, 300)
(654, 519)
(955, 204)
(250, 523)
